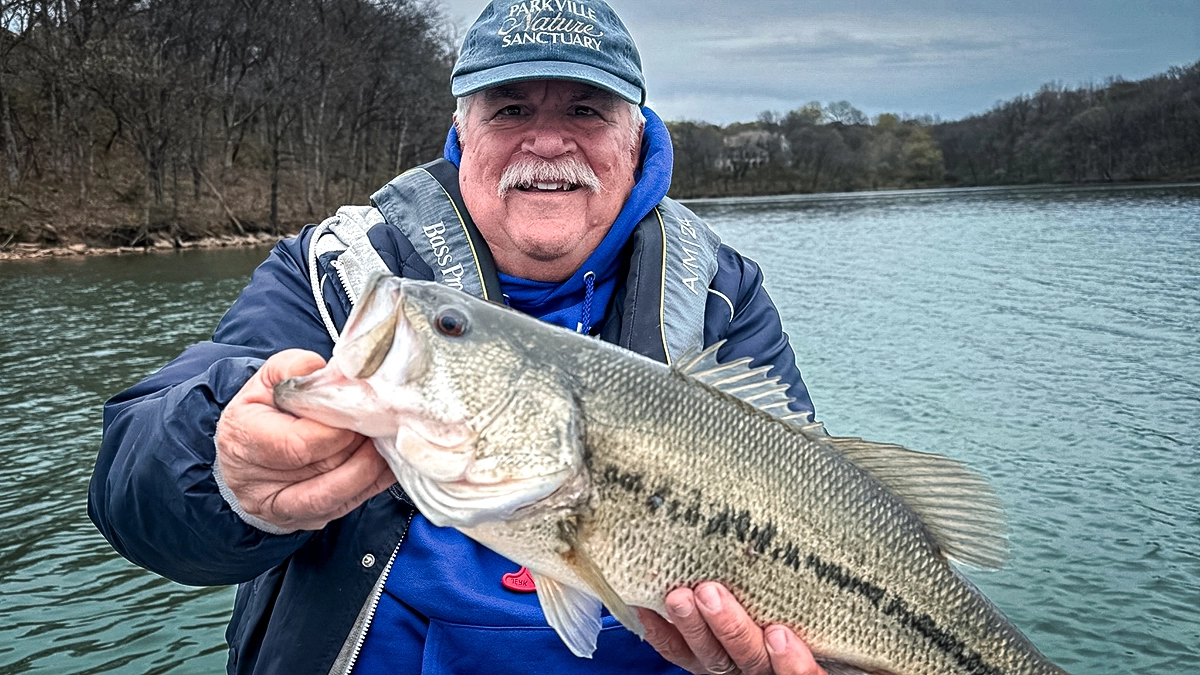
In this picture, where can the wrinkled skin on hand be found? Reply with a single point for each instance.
(293, 473)
(710, 632)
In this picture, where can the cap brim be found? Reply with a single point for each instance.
(469, 83)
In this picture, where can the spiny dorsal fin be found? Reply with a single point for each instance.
(738, 379)
(957, 504)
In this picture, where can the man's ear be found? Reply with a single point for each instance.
(636, 150)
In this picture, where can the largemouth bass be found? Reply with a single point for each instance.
(616, 479)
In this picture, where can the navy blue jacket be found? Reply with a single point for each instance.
(154, 498)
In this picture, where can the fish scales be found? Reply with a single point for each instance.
(738, 506)
(622, 478)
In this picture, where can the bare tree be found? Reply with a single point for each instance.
(17, 20)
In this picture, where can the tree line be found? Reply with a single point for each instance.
(135, 119)
(1118, 131)
(127, 122)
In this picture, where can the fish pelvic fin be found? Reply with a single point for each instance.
(736, 378)
(573, 614)
(957, 505)
(576, 556)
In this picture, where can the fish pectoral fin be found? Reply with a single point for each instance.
(573, 614)
(957, 505)
(585, 568)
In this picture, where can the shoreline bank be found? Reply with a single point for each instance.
(38, 251)
(35, 251)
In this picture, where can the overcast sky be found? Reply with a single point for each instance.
(723, 61)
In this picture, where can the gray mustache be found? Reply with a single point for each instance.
(527, 171)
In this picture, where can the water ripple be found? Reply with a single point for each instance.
(83, 331)
(1049, 338)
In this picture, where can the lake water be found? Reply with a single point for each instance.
(1048, 337)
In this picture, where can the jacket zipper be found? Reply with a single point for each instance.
(340, 268)
(376, 593)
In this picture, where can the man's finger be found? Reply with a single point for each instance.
(281, 366)
(312, 503)
(290, 363)
(667, 641)
(737, 633)
(266, 437)
(270, 437)
(789, 655)
(691, 624)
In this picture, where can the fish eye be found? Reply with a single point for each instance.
(451, 322)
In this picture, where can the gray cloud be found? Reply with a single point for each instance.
(725, 61)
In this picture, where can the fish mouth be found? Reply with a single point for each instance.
(379, 353)
(326, 396)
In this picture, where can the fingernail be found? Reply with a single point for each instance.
(709, 597)
(776, 640)
(681, 607)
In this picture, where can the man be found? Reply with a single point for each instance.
(551, 197)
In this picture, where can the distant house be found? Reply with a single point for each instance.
(751, 148)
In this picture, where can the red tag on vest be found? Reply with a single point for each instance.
(520, 581)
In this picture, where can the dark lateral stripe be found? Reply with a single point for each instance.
(969, 659)
(727, 521)
(836, 574)
(922, 623)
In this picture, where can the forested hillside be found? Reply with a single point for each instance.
(135, 122)
(1121, 131)
(125, 121)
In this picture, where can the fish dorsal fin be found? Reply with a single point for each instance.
(738, 379)
(577, 558)
(957, 505)
(573, 614)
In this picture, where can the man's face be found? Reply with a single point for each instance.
(548, 222)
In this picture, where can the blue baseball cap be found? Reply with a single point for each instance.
(579, 40)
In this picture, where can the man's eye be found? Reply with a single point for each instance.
(509, 110)
(584, 111)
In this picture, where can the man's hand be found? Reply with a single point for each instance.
(713, 634)
(293, 473)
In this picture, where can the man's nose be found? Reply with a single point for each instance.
(548, 139)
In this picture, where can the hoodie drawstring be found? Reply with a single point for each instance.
(589, 282)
